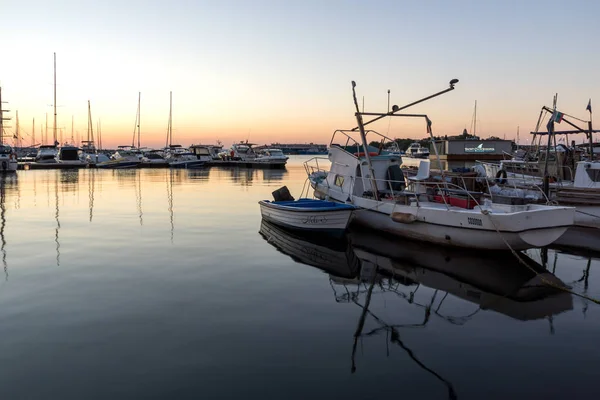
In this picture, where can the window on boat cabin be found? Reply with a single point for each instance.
(594, 174)
(339, 180)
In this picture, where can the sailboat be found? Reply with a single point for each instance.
(8, 157)
(435, 209)
(176, 155)
(47, 153)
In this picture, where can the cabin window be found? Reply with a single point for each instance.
(594, 174)
(339, 180)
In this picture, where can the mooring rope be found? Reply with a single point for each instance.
(542, 278)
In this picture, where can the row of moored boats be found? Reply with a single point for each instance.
(477, 208)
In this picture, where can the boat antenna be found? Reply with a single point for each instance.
(388, 109)
(363, 137)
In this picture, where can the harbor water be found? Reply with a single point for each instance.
(158, 283)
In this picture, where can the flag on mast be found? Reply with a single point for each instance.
(589, 106)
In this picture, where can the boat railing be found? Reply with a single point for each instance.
(473, 188)
(350, 141)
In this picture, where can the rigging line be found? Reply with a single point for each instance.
(543, 279)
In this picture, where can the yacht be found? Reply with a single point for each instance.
(46, 154)
(415, 150)
(180, 157)
(8, 159)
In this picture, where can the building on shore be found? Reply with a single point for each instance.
(471, 150)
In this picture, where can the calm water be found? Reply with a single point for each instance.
(158, 284)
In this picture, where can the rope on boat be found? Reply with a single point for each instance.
(544, 280)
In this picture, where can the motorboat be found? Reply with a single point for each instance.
(8, 159)
(308, 214)
(180, 157)
(69, 155)
(415, 150)
(124, 157)
(425, 207)
(46, 154)
(271, 156)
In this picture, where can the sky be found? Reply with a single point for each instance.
(281, 71)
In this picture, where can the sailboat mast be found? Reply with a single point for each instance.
(138, 118)
(169, 126)
(33, 133)
(54, 99)
(17, 130)
(90, 127)
(1, 120)
(72, 123)
(475, 120)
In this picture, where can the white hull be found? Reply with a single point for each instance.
(538, 227)
(335, 220)
(8, 165)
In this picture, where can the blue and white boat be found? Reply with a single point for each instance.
(308, 214)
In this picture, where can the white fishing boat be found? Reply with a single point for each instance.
(432, 210)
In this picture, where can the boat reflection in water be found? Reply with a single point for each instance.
(494, 280)
(365, 262)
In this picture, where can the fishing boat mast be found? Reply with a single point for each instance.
(393, 113)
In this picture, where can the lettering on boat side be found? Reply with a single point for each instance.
(475, 221)
(314, 219)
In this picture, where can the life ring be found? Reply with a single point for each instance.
(501, 177)
(362, 154)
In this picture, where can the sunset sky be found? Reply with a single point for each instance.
(281, 71)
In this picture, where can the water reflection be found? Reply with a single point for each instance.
(453, 285)
(200, 175)
(169, 179)
(67, 187)
(246, 176)
(91, 189)
(493, 280)
(5, 183)
(138, 197)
